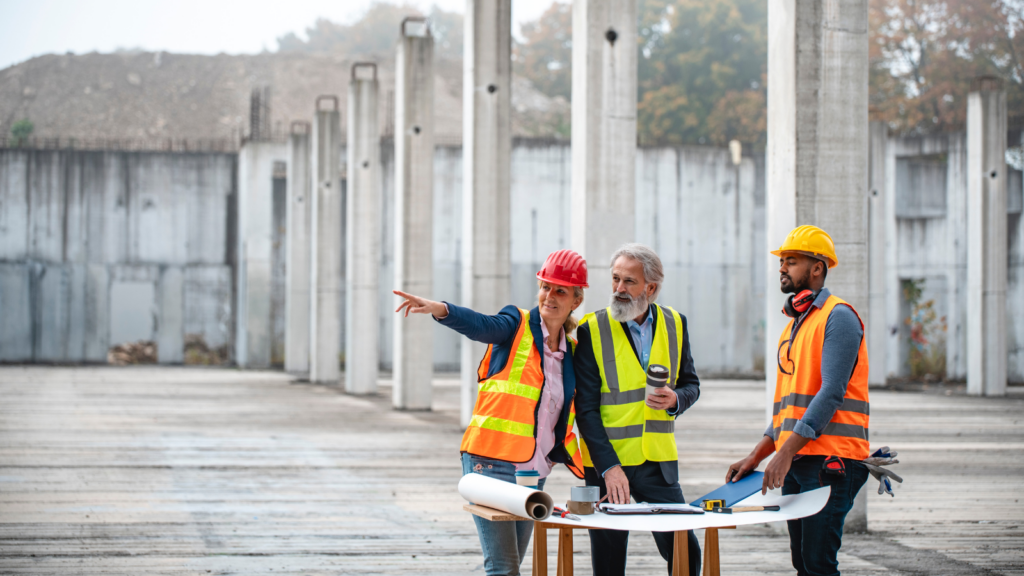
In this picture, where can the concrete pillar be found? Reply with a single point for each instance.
(986, 238)
(325, 257)
(413, 365)
(297, 273)
(362, 263)
(817, 156)
(486, 173)
(255, 232)
(604, 82)
(877, 327)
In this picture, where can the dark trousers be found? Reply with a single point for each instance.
(646, 484)
(814, 541)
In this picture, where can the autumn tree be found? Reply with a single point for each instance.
(701, 71)
(545, 54)
(701, 67)
(924, 54)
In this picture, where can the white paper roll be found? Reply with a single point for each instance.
(505, 496)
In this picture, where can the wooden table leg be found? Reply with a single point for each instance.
(540, 549)
(565, 552)
(711, 558)
(680, 555)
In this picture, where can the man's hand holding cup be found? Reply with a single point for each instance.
(660, 395)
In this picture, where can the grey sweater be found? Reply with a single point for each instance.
(843, 334)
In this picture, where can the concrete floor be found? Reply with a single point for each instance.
(217, 471)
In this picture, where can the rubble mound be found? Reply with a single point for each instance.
(141, 352)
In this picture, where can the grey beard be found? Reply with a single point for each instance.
(623, 311)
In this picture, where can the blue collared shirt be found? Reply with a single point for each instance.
(642, 335)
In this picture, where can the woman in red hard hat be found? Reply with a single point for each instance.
(523, 418)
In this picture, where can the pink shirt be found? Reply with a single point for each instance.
(552, 398)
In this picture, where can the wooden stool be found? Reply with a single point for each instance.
(680, 554)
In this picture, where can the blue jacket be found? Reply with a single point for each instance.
(500, 330)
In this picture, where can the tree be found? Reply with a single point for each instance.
(702, 70)
(924, 54)
(20, 132)
(545, 55)
(701, 67)
(376, 32)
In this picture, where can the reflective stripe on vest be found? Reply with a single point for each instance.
(504, 419)
(637, 432)
(846, 434)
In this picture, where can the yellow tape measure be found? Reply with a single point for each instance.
(709, 505)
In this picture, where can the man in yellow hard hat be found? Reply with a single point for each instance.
(819, 428)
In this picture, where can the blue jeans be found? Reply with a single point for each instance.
(504, 543)
(814, 541)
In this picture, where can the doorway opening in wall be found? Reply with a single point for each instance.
(923, 334)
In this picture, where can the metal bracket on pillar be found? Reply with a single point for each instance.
(300, 127)
(414, 27)
(356, 66)
(331, 97)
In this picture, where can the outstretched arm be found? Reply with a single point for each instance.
(495, 329)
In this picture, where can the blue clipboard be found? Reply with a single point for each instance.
(733, 492)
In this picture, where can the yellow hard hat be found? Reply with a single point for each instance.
(812, 241)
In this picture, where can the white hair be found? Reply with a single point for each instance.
(654, 273)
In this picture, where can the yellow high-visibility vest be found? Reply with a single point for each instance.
(637, 432)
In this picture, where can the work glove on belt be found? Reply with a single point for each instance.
(883, 457)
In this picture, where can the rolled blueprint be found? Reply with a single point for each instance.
(505, 496)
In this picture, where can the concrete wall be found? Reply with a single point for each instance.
(693, 206)
(101, 248)
(927, 189)
(105, 227)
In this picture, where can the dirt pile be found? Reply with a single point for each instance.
(141, 352)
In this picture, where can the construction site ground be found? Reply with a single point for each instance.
(176, 470)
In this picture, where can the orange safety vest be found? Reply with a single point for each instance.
(846, 435)
(504, 423)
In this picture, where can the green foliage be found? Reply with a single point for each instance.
(701, 68)
(702, 71)
(20, 132)
(376, 32)
(927, 356)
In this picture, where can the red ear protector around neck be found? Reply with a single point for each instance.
(798, 303)
(795, 306)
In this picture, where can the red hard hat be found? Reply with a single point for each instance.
(566, 268)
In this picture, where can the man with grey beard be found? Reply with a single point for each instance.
(628, 442)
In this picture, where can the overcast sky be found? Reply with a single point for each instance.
(33, 27)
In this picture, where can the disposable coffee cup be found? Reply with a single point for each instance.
(657, 377)
(528, 478)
